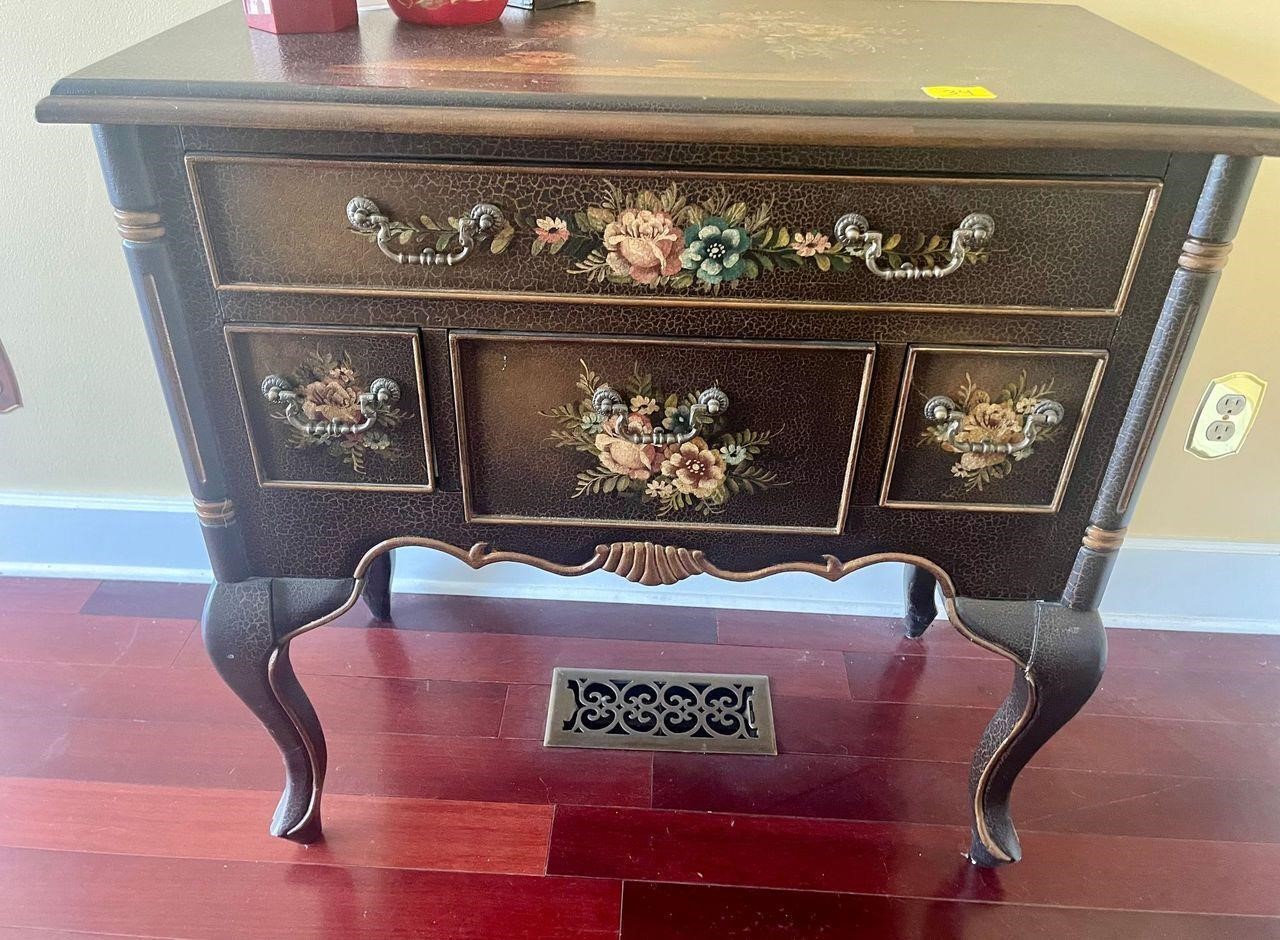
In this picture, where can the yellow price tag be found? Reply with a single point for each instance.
(958, 92)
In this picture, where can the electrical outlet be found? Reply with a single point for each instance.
(1226, 413)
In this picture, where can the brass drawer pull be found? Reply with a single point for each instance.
(276, 389)
(609, 404)
(476, 227)
(941, 410)
(853, 231)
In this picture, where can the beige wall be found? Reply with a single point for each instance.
(94, 422)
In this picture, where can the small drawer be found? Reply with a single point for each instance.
(623, 431)
(334, 408)
(989, 428)
(1065, 246)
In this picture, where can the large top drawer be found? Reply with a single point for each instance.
(597, 235)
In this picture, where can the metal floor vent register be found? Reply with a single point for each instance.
(660, 711)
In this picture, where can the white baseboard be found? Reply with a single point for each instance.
(1172, 584)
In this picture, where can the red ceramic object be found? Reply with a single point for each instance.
(447, 12)
(300, 16)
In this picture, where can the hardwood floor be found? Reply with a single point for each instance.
(135, 791)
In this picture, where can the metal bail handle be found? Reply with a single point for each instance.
(608, 403)
(477, 227)
(942, 410)
(277, 389)
(853, 231)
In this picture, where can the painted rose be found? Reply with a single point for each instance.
(987, 423)
(620, 455)
(643, 245)
(552, 231)
(808, 244)
(694, 468)
(993, 422)
(331, 400)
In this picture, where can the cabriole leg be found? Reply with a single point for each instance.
(377, 585)
(1059, 656)
(919, 585)
(246, 626)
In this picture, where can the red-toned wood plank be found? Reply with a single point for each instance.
(1197, 808)
(899, 860)
(44, 595)
(448, 613)
(949, 734)
(477, 657)
(230, 757)
(696, 912)
(838, 632)
(101, 641)
(216, 899)
(1209, 695)
(379, 832)
(1160, 649)
(1088, 742)
(160, 599)
(345, 703)
(1175, 649)
(525, 715)
(36, 933)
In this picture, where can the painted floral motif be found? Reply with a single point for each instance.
(642, 246)
(667, 240)
(997, 420)
(701, 475)
(329, 389)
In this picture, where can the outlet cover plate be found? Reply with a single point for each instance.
(1207, 440)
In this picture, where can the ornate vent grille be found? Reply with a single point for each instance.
(660, 711)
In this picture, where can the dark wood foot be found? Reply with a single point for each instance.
(919, 586)
(377, 585)
(1059, 656)
(246, 626)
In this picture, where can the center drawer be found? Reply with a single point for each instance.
(638, 432)
(672, 238)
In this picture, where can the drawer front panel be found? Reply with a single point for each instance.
(989, 429)
(333, 408)
(1058, 246)
(542, 441)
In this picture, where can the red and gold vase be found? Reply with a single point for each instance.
(300, 16)
(448, 12)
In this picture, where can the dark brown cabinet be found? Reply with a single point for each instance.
(673, 290)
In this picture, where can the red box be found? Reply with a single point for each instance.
(300, 16)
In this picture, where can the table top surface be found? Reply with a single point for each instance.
(802, 58)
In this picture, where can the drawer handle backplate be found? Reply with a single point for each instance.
(943, 411)
(478, 226)
(277, 389)
(608, 404)
(853, 231)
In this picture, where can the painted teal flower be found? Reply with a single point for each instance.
(715, 251)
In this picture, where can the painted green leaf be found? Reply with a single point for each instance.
(502, 239)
